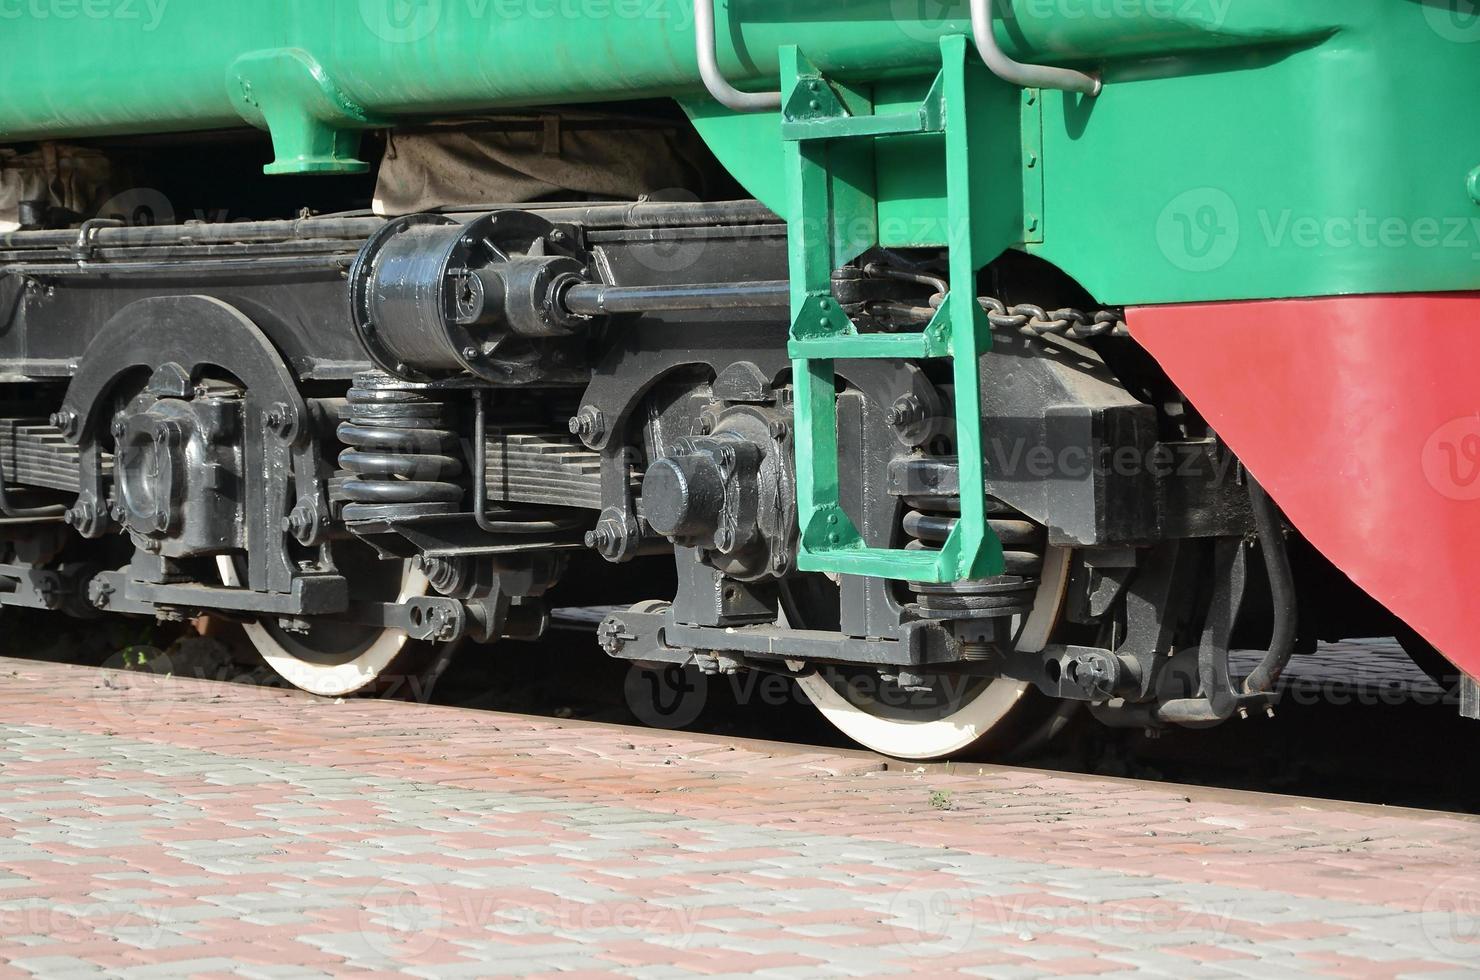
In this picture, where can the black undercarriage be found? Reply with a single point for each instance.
(239, 419)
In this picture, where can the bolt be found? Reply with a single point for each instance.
(1269, 711)
(100, 593)
(279, 419)
(300, 522)
(906, 410)
(470, 353)
(66, 421)
(558, 236)
(610, 636)
(588, 424)
(1097, 674)
(1243, 713)
(80, 515)
(118, 428)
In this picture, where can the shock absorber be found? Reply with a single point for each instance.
(404, 458)
(929, 522)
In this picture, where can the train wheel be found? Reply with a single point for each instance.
(948, 714)
(338, 659)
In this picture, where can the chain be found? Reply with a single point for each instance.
(1025, 318)
(1035, 321)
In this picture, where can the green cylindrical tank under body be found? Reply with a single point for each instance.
(1254, 149)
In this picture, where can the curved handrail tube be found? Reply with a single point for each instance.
(1017, 73)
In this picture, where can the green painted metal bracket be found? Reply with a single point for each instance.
(1032, 130)
(816, 122)
(315, 127)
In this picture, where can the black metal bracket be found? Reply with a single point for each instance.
(197, 333)
(648, 633)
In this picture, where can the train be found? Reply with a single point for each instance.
(958, 360)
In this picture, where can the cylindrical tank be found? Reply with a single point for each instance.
(157, 65)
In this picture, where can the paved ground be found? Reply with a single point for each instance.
(1373, 669)
(156, 826)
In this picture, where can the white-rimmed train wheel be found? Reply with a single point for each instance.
(953, 713)
(339, 659)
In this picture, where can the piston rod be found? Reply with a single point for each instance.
(592, 299)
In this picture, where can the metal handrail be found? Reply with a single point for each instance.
(1017, 73)
(714, 79)
(1005, 68)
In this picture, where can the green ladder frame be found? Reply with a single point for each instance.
(825, 209)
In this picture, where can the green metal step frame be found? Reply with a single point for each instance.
(828, 203)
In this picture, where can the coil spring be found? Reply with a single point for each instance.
(404, 455)
(930, 522)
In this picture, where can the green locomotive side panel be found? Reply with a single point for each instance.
(1278, 150)
(1259, 148)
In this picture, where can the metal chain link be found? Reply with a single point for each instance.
(1035, 321)
(1025, 318)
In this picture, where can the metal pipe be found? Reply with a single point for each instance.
(1017, 73)
(1220, 699)
(714, 79)
(639, 214)
(592, 298)
(480, 462)
(10, 510)
(1262, 678)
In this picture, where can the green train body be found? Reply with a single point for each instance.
(1320, 148)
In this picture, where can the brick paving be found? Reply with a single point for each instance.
(169, 827)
